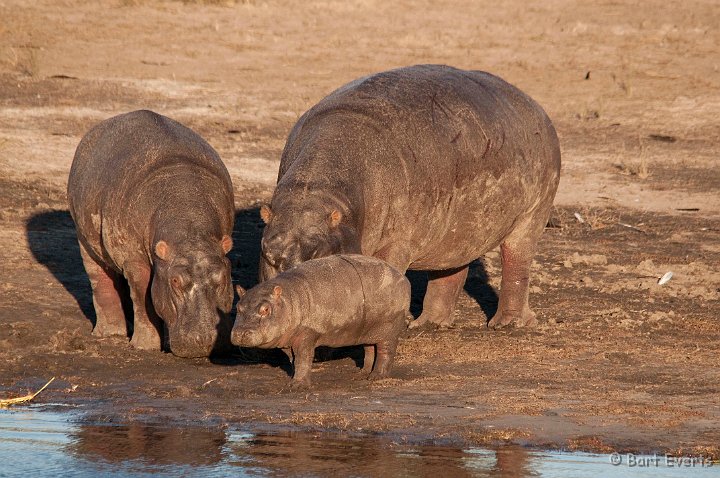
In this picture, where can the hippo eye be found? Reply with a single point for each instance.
(264, 310)
(176, 282)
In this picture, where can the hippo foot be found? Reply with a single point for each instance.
(361, 375)
(500, 320)
(299, 385)
(428, 322)
(145, 341)
(109, 330)
(375, 375)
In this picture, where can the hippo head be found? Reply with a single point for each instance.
(260, 321)
(192, 292)
(297, 234)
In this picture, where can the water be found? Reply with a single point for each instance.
(42, 441)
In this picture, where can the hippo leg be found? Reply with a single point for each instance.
(442, 292)
(147, 325)
(517, 253)
(110, 318)
(303, 353)
(369, 359)
(384, 356)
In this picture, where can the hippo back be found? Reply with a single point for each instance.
(130, 166)
(428, 145)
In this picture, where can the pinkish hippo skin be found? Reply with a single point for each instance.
(427, 167)
(334, 301)
(153, 203)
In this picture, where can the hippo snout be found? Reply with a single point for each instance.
(193, 345)
(245, 337)
(238, 335)
(275, 260)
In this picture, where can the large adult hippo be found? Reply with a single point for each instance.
(153, 202)
(427, 167)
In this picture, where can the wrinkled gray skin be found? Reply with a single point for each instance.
(427, 167)
(334, 301)
(153, 203)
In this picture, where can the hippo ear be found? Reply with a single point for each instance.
(162, 250)
(226, 243)
(277, 292)
(335, 218)
(266, 213)
(240, 291)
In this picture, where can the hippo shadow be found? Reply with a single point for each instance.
(480, 290)
(476, 286)
(245, 258)
(52, 239)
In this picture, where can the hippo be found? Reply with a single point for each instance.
(334, 301)
(153, 203)
(427, 167)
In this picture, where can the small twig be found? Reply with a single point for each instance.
(630, 226)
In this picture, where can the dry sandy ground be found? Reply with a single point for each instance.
(618, 361)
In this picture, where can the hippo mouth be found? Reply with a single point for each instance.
(192, 348)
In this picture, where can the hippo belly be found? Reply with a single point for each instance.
(476, 222)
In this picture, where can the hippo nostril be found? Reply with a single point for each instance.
(240, 336)
(270, 258)
(236, 336)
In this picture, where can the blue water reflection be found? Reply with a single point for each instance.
(42, 441)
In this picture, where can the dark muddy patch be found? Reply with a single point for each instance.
(684, 178)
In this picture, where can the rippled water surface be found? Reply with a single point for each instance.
(37, 441)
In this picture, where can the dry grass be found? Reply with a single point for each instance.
(637, 167)
(26, 61)
(595, 218)
(589, 443)
(492, 436)
(7, 402)
(344, 421)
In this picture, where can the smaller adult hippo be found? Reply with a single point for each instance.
(153, 203)
(427, 167)
(335, 301)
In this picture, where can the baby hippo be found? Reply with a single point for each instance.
(334, 301)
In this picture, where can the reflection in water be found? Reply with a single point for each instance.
(295, 453)
(78, 446)
(41, 442)
(151, 444)
(512, 462)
